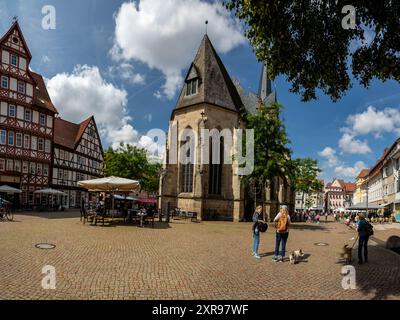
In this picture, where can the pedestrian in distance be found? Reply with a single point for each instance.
(282, 222)
(365, 230)
(257, 220)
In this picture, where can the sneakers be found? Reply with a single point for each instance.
(275, 259)
(257, 256)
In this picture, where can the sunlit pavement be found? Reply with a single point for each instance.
(184, 260)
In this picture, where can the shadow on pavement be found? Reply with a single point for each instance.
(380, 276)
(304, 226)
(50, 215)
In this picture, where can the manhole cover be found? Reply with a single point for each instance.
(45, 246)
(321, 244)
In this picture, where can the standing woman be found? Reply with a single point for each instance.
(282, 222)
(256, 232)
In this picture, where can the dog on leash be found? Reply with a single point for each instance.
(347, 253)
(295, 256)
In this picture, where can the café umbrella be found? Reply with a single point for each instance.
(9, 190)
(110, 184)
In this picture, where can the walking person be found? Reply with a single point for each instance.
(365, 230)
(326, 216)
(282, 222)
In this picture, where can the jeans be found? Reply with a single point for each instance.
(256, 241)
(363, 244)
(281, 237)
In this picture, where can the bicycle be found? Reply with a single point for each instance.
(6, 213)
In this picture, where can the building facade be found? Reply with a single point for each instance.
(383, 180)
(210, 100)
(78, 155)
(37, 149)
(313, 201)
(339, 194)
(360, 193)
(26, 120)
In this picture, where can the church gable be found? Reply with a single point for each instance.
(208, 81)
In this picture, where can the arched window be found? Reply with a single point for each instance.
(215, 174)
(187, 165)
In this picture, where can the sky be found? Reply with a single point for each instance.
(124, 62)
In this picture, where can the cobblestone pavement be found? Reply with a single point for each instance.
(207, 260)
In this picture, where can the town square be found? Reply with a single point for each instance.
(199, 150)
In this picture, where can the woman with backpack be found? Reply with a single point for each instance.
(257, 221)
(365, 230)
(282, 222)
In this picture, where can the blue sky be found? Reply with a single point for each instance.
(142, 73)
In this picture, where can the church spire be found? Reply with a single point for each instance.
(265, 87)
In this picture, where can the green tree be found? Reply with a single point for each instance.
(305, 41)
(131, 162)
(304, 176)
(271, 151)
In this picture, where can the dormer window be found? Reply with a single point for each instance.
(14, 60)
(191, 87)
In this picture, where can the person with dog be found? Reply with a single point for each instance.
(365, 230)
(282, 222)
(257, 221)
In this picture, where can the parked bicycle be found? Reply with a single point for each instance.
(5, 211)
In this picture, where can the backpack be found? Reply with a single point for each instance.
(369, 229)
(282, 225)
(262, 227)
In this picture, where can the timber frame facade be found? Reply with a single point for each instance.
(29, 150)
(78, 155)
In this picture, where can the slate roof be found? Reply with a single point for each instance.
(215, 86)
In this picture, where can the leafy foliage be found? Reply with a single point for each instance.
(304, 175)
(271, 151)
(130, 162)
(305, 41)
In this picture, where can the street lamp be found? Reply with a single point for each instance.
(256, 186)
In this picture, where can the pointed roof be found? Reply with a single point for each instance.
(265, 92)
(265, 86)
(68, 134)
(16, 26)
(215, 85)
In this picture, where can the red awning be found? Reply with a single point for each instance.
(146, 200)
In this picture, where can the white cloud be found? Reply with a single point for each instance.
(83, 93)
(375, 121)
(350, 172)
(126, 72)
(371, 121)
(349, 144)
(164, 34)
(330, 156)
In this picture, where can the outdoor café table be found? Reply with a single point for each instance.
(141, 215)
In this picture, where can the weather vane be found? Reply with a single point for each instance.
(14, 19)
(206, 25)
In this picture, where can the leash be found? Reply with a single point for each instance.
(355, 242)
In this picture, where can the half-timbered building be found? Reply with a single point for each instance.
(26, 119)
(78, 155)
